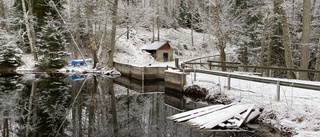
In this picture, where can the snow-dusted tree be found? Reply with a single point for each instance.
(245, 22)
(3, 15)
(286, 37)
(10, 54)
(52, 43)
(29, 28)
(221, 43)
(112, 44)
(305, 44)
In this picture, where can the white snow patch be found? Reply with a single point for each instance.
(28, 63)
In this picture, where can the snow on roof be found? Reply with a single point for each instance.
(153, 46)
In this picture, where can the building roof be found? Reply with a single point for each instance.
(153, 46)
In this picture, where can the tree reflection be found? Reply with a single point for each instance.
(54, 105)
(110, 89)
(92, 107)
(47, 103)
(9, 87)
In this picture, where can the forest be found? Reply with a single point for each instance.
(274, 33)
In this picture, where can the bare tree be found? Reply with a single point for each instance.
(113, 33)
(305, 44)
(221, 44)
(3, 14)
(30, 30)
(286, 37)
(263, 41)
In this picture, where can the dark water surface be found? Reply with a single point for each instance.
(61, 105)
(89, 106)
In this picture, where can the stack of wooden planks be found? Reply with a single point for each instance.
(218, 116)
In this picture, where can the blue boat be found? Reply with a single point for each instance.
(77, 77)
(80, 62)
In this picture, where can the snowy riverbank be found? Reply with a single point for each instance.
(297, 112)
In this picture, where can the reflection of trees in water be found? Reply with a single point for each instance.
(46, 106)
(100, 108)
(9, 88)
(117, 111)
(110, 111)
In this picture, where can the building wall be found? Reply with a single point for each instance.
(159, 55)
(165, 47)
(139, 72)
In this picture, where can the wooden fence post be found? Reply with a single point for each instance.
(229, 81)
(278, 91)
(195, 75)
(176, 61)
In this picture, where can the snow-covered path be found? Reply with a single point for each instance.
(298, 110)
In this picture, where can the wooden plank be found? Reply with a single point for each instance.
(217, 117)
(188, 113)
(255, 113)
(222, 116)
(245, 116)
(194, 115)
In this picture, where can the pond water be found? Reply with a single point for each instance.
(94, 106)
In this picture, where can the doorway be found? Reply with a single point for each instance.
(165, 57)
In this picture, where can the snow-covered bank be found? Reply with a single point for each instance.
(28, 63)
(128, 50)
(297, 112)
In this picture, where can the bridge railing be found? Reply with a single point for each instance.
(237, 66)
(255, 79)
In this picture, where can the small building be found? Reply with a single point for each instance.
(160, 50)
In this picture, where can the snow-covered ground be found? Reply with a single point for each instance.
(28, 64)
(298, 110)
(128, 51)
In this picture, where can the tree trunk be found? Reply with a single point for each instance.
(5, 131)
(80, 127)
(77, 32)
(263, 42)
(270, 46)
(113, 33)
(94, 51)
(92, 107)
(127, 19)
(304, 63)
(286, 39)
(30, 30)
(153, 29)
(111, 91)
(221, 43)
(30, 108)
(192, 41)
(158, 27)
(3, 14)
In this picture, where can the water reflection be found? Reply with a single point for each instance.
(95, 106)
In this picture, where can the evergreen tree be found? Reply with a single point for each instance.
(52, 42)
(10, 54)
(36, 10)
(247, 21)
(39, 8)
